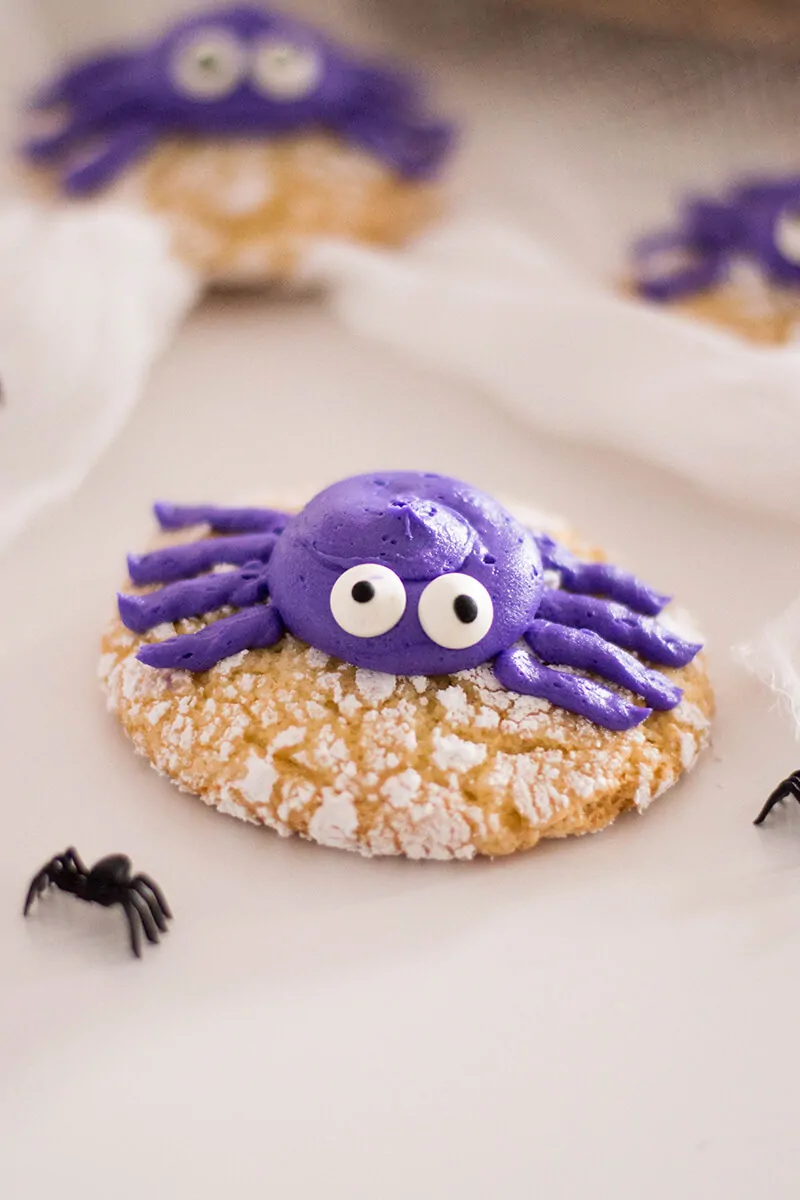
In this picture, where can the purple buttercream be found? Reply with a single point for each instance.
(237, 72)
(220, 520)
(179, 562)
(749, 223)
(412, 574)
(520, 672)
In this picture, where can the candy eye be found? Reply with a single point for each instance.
(208, 65)
(787, 236)
(286, 71)
(456, 611)
(368, 600)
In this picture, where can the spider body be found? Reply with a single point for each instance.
(411, 574)
(110, 881)
(786, 788)
(234, 72)
(758, 222)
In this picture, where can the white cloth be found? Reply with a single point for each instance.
(87, 300)
(495, 307)
(773, 656)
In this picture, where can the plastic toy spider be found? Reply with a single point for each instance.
(234, 72)
(758, 221)
(411, 574)
(788, 787)
(108, 882)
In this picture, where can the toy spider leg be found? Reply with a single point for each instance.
(147, 905)
(67, 863)
(788, 787)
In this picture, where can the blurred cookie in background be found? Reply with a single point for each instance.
(252, 134)
(733, 261)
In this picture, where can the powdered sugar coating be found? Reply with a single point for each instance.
(441, 768)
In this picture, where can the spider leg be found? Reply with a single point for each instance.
(157, 892)
(785, 789)
(127, 144)
(72, 857)
(75, 83)
(193, 597)
(250, 629)
(132, 916)
(616, 623)
(704, 269)
(154, 900)
(412, 145)
(38, 884)
(519, 671)
(581, 648)
(50, 146)
(69, 862)
(182, 562)
(598, 578)
(145, 916)
(221, 520)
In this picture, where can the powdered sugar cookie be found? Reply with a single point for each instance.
(402, 668)
(734, 262)
(252, 135)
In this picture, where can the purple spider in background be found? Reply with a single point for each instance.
(234, 72)
(411, 574)
(758, 221)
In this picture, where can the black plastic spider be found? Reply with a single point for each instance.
(108, 882)
(788, 787)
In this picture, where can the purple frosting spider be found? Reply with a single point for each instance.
(411, 574)
(232, 72)
(758, 220)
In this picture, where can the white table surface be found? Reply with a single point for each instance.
(611, 1017)
(614, 1016)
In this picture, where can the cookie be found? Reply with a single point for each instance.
(763, 315)
(433, 764)
(252, 135)
(733, 262)
(246, 212)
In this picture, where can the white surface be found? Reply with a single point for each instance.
(612, 1016)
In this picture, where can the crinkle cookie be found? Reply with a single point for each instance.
(284, 717)
(252, 134)
(249, 212)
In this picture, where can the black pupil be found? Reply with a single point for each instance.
(466, 609)
(363, 592)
